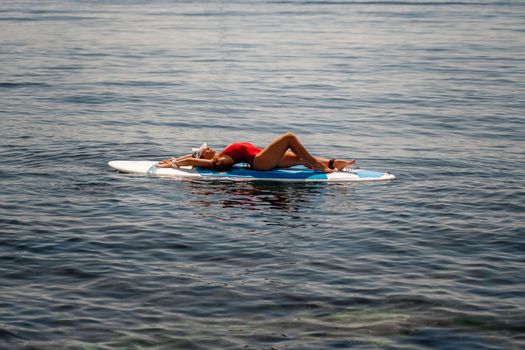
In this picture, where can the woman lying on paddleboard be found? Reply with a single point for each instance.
(284, 152)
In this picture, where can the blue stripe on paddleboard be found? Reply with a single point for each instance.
(368, 174)
(285, 174)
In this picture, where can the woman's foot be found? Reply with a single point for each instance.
(341, 164)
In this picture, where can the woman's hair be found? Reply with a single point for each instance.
(217, 163)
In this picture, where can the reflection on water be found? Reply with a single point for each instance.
(258, 195)
(286, 205)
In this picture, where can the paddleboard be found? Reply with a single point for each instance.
(242, 173)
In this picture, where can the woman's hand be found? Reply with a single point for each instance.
(167, 163)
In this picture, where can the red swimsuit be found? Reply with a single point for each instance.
(242, 152)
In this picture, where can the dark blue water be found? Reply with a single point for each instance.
(432, 91)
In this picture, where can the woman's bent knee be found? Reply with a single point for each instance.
(289, 136)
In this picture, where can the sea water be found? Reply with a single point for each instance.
(432, 91)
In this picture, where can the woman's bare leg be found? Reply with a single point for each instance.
(272, 154)
(290, 159)
(339, 164)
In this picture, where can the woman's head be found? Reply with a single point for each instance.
(208, 153)
(203, 152)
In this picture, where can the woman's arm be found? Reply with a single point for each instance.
(170, 162)
(221, 163)
(190, 161)
(183, 157)
(203, 163)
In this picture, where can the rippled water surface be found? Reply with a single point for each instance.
(432, 91)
